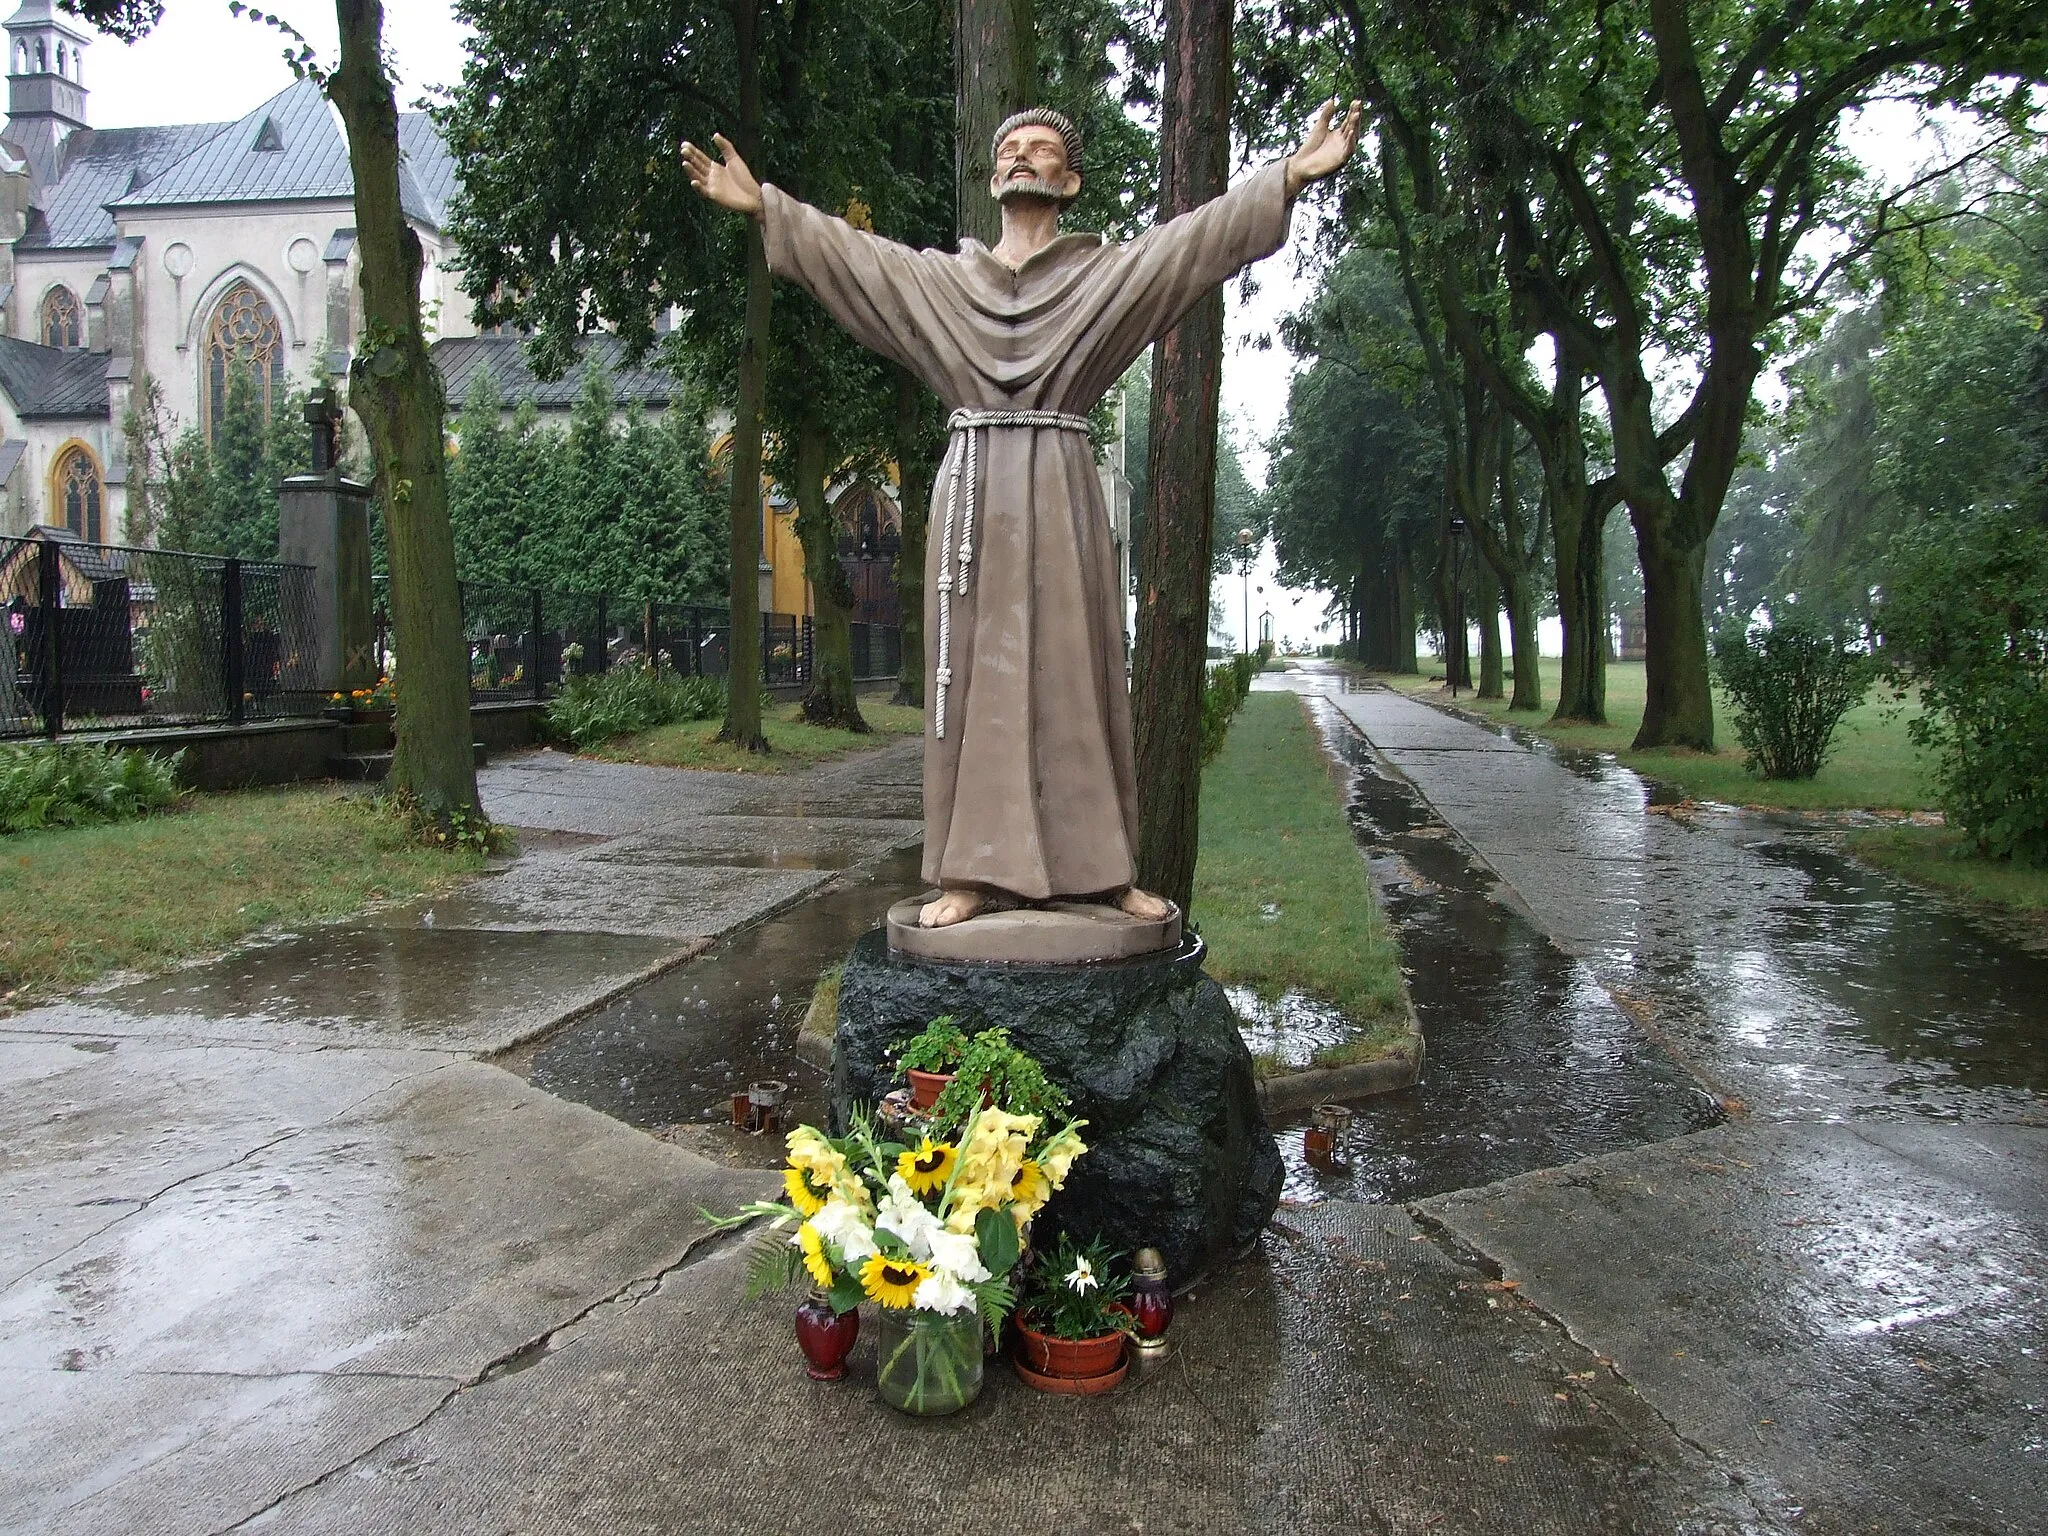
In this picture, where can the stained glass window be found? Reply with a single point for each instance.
(61, 319)
(244, 333)
(78, 488)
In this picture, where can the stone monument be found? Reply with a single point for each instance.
(323, 520)
(1030, 796)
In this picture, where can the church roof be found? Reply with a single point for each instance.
(289, 149)
(100, 166)
(462, 359)
(53, 381)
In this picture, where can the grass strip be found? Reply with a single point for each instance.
(1874, 765)
(143, 894)
(797, 745)
(1941, 858)
(1282, 894)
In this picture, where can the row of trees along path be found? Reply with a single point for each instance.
(1632, 203)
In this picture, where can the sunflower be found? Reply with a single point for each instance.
(814, 1254)
(806, 1197)
(1030, 1188)
(893, 1282)
(927, 1167)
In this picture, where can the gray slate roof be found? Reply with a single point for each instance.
(503, 358)
(197, 163)
(53, 382)
(101, 165)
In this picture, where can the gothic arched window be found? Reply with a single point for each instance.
(62, 321)
(78, 492)
(243, 333)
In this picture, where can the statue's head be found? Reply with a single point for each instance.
(1037, 154)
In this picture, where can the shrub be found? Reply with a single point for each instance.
(1791, 683)
(1229, 682)
(1965, 621)
(78, 786)
(594, 709)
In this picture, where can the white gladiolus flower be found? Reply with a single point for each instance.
(845, 1229)
(957, 1254)
(940, 1292)
(908, 1217)
(1081, 1278)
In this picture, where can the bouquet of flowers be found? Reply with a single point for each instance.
(930, 1233)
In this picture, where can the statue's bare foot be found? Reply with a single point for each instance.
(953, 907)
(1144, 906)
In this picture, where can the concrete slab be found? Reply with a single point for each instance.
(1850, 1317)
(271, 1319)
(1349, 1378)
(361, 984)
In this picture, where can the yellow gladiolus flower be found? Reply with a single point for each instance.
(814, 1254)
(1058, 1154)
(826, 1172)
(892, 1282)
(797, 1185)
(927, 1167)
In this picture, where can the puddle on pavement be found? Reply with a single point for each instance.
(1291, 1028)
(676, 1050)
(1530, 1064)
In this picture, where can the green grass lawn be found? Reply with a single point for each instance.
(1873, 766)
(141, 894)
(695, 743)
(1274, 834)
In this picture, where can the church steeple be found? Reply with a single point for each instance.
(45, 84)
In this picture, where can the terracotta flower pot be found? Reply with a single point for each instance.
(925, 1087)
(1069, 1359)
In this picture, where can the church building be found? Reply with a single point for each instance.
(177, 252)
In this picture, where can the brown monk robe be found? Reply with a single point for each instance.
(1028, 783)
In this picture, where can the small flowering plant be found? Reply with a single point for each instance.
(937, 1227)
(1074, 1294)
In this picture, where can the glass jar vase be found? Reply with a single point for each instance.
(928, 1363)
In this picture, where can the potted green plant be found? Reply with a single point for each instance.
(992, 1071)
(929, 1058)
(1072, 1325)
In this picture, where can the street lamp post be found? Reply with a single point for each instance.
(1245, 550)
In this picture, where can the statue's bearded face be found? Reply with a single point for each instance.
(1032, 163)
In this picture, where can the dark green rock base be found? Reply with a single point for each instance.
(1179, 1155)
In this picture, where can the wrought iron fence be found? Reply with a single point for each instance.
(523, 641)
(104, 636)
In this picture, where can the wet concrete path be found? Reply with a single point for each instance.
(1841, 1294)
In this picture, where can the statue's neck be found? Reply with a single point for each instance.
(1030, 224)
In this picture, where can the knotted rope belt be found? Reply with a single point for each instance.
(953, 563)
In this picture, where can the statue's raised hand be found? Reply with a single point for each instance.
(1325, 149)
(731, 184)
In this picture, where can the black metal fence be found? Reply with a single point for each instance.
(524, 641)
(104, 637)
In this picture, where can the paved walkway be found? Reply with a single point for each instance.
(278, 1253)
(1839, 1295)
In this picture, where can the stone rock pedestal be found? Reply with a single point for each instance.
(1179, 1155)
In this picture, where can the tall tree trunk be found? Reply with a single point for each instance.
(828, 697)
(1518, 584)
(915, 466)
(1168, 666)
(742, 727)
(995, 65)
(1404, 608)
(1678, 700)
(396, 390)
(1486, 612)
(1576, 532)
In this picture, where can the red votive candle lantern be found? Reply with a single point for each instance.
(1151, 1302)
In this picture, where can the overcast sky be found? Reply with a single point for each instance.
(204, 64)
